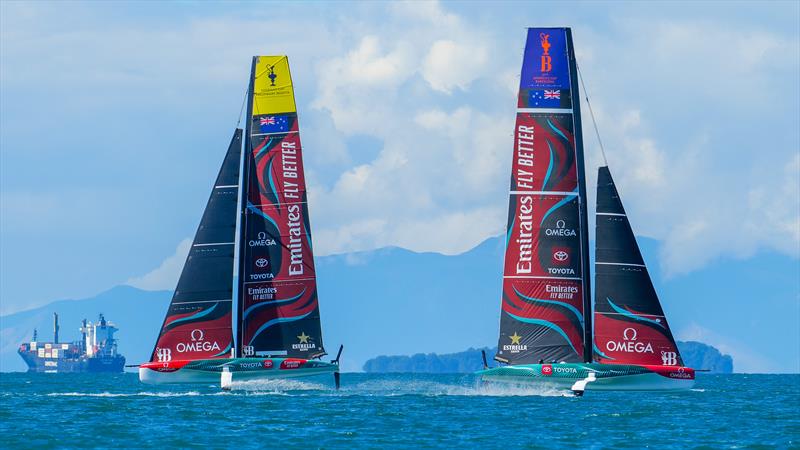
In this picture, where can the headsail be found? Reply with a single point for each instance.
(630, 327)
(198, 322)
(545, 282)
(278, 309)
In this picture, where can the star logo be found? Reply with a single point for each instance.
(303, 338)
(515, 338)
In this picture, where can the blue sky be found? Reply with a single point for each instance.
(114, 118)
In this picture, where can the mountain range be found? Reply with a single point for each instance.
(395, 301)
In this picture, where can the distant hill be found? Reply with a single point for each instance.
(393, 301)
(702, 356)
(695, 354)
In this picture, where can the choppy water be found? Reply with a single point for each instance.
(397, 410)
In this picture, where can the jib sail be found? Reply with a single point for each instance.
(630, 327)
(545, 282)
(198, 322)
(278, 310)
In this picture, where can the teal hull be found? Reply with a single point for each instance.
(608, 377)
(242, 369)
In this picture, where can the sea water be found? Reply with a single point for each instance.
(392, 410)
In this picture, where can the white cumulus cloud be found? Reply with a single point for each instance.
(450, 65)
(165, 276)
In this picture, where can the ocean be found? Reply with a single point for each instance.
(392, 410)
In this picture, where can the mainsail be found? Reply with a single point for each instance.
(630, 327)
(545, 284)
(278, 310)
(198, 321)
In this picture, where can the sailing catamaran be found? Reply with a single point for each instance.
(265, 322)
(546, 321)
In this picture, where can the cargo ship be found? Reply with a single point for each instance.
(95, 352)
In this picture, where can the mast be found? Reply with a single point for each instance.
(582, 207)
(245, 168)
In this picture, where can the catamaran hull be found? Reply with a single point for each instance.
(241, 369)
(607, 377)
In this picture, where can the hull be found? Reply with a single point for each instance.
(82, 364)
(241, 369)
(608, 377)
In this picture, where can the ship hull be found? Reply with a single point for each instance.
(608, 377)
(38, 364)
(241, 369)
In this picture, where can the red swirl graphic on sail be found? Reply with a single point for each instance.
(542, 289)
(553, 305)
(270, 308)
(278, 305)
(278, 176)
(544, 157)
(277, 256)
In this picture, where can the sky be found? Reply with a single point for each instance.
(114, 119)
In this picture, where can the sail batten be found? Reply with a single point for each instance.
(545, 277)
(630, 326)
(278, 308)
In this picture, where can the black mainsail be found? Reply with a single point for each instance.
(630, 327)
(198, 321)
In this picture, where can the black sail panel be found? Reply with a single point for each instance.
(630, 327)
(278, 299)
(198, 321)
(545, 278)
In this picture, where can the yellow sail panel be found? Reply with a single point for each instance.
(272, 88)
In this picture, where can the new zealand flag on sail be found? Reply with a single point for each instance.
(275, 123)
(549, 98)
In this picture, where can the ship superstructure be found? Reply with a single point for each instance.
(95, 352)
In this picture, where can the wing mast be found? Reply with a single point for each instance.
(237, 325)
(582, 211)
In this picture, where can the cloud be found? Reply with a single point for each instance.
(443, 155)
(698, 118)
(359, 88)
(685, 134)
(435, 165)
(165, 276)
(450, 65)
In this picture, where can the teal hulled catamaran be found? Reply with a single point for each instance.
(264, 322)
(546, 315)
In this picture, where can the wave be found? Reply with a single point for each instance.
(433, 388)
(465, 387)
(128, 394)
(276, 386)
(393, 388)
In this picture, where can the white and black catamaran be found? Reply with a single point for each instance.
(263, 322)
(546, 333)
